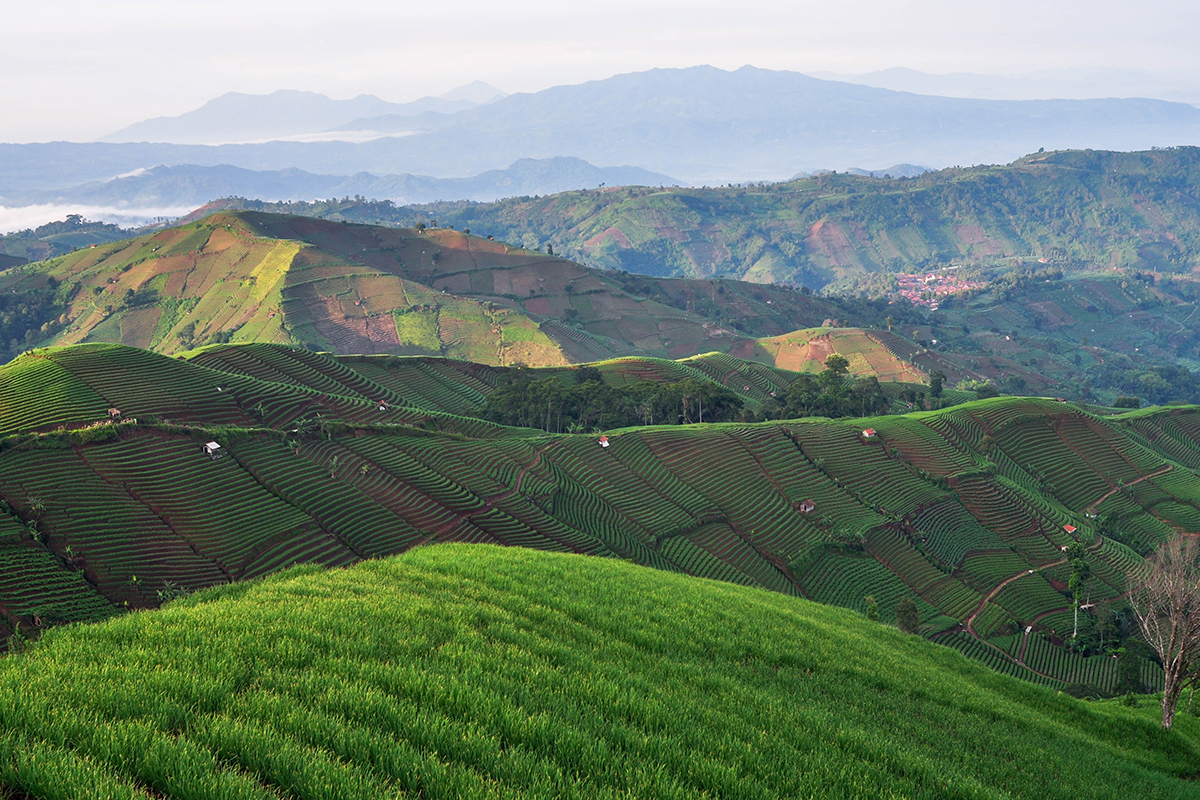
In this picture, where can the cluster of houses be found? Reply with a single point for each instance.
(924, 289)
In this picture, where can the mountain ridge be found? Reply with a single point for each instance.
(701, 124)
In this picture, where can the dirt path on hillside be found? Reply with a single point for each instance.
(971, 619)
(1092, 508)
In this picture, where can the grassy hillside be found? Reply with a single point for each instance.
(471, 672)
(1112, 209)
(252, 277)
(333, 461)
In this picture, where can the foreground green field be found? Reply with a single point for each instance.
(472, 671)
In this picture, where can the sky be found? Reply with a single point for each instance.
(78, 70)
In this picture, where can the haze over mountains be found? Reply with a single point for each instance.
(1078, 84)
(193, 186)
(235, 117)
(698, 125)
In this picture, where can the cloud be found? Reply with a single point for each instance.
(19, 218)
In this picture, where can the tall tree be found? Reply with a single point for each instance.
(1167, 605)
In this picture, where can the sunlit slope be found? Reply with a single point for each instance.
(332, 461)
(358, 289)
(465, 672)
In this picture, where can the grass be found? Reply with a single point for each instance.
(473, 671)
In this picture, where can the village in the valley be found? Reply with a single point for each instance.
(927, 288)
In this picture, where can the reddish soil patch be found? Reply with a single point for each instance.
(538, 305)
(612, 233)
(830, 239)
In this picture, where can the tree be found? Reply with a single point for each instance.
(872, 608)
(1167, 606)
(907, 618)
(936, 379)
(837, 364)
(1080, 572)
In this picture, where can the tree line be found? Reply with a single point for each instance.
(554, 406)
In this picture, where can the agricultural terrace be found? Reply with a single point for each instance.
(358, 289)
(331, 461)
(481, 672)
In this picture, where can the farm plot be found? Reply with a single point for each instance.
(115, 537)
(991, 657)
(948, 532)
(36, 392)
(164, 474)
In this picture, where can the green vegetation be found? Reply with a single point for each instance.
(333, 460)
(465, 672)
(55, 239)
(591, 404)
(1084, 333)
(1133, 210)
(354, 289)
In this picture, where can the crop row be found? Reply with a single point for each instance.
(36, 392)
(976, 650)
(949, 532)
(116, 537)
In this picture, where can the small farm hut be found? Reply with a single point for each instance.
(604, 441)
(1069, 528)
(869, 433)
(384, 405)
(807, 506)
(114, 415)
(212, 450)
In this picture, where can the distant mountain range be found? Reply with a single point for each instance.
(236, 118)
(190, 185)
(1077, 84)
(700, 125)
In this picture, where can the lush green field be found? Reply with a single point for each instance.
(474, 671)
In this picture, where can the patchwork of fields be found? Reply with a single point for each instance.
(332, 461)
(355, 289)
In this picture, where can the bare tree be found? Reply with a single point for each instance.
(1167, 606)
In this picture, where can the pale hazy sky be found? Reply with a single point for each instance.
(77, 70)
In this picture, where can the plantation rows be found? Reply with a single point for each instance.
(33, 582)
(949, 532)
(925, 447)
(37, 393)
(720, 501)
(974, 649)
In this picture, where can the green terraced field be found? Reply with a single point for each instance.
(482, 672)
(333, 460)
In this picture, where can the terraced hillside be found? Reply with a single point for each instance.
(965, 510)
(252, 277)
(482, 672)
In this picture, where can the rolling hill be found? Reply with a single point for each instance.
(345, 288)
(246, 276)
(188, 185)
(332, 460)
(480, 672)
